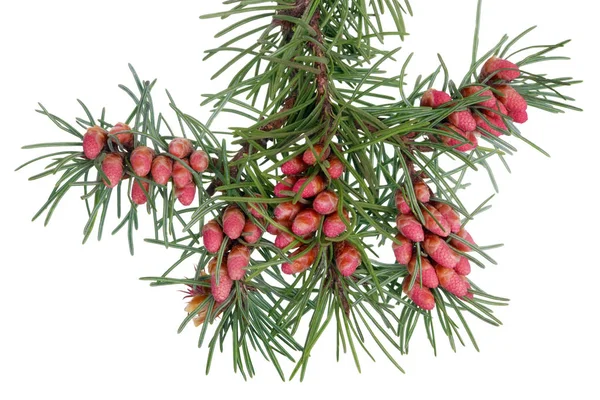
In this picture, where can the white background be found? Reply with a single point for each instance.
(76, 323)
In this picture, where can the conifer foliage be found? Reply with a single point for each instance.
(284, 217)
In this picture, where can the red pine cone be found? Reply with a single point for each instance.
(402, 251)
(410, 228)
(212, 236)
(449, 215)
(469, 91)
(401, 203)
(514, 103)
(286, 185)
(94, 141)
(347, 258)
(440, 252)
(251, 233)
(141, 160)
(451, 281)
(126, 139)
(463, 267)
(326, 202)
(301, 263)
(421, 296)
(294, 166)
(306, 222)
(434, 98)
(186, 194)
(336, 167)
(334, 226)
(435, 221)
(221, 291)
(287, 210)
(234, 221)
(181, 147)
(138, 196)
(500, 69)
(309, 157)
(315, 186)
(162, 168)
(463, 120)
(112, 166)
(422, 192)
(181, 175)
(460, 245)
(199, 160)
(427, 275)
(237, 261)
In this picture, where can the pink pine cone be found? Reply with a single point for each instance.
(326, 202)
(315, 186)
(141, 160)
(435, 221)
(120, 131)
(450, 215)
(180, 147)
(306, 222)
(237, 261)
(402, 251)
(221, 291)
(336, 167)
(421, 296)
(294, 166)
(300, 263)
(287, 210)
(284, 239)
(251, 233)
(422, 192)
(112, 166)
(274, 230)
(520, 116)
(401, 203)
(94, 141)
(434, 98)
(463, 120)
(286, 185)
(233, 222)
(138, 196)
(463, 267)
(511, 99)
(410, 228)
(199, 160)
(501, 69)
(426, 276)
(186, 194)
(212, 236)
(309, 157)
(490, 102)
(440, 252)
(451, 281)
(334, 226)
(180, 174)
(495, 127)
(162, 168)
(460, 245)
(347, 258)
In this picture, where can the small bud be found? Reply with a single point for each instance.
(500, 69)
(306, 222)
(434, 98)
(460, 245)
(294, 166)
(495, 127)
(334, 226)
(286, 185)
(300, 263)
(138, 192)
(410, 228)
(221, 291)
(233, 222)
(112, 166)
(162, 168)
(186, 194)
(180, 147)
(450, 215)
(422, 192)
(287, 210)
(402, 251)
(141, 160)
(181, 175)
(126, 139)
(435, 221)
(326, 202)
(490, 102)
(212, 236)
(426, 275)
(94, 141)
(336, 167)
(463, 120)
(519, 116)
(237, 261)
(347, 258)
(463, 267)
(199, 160)
(421, 296)
(440, 252)
(401, 203)
(315, 186)
(512, 100)
(251, 233)
(451, 281)
(309, 156)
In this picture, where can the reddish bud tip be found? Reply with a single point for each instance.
(294, 166)
(181, 175)
(186, 194)
(251, 233)
(112, 166)
(422, 192)
(449, 215)
(212, 236)
(286, 185)
(519, 116)
(199, 160)
(463, 120)
(141, 160)
(500, 69)
(451, 281)
(326, 202)
(403, 250)
(233, 222)
(426, 274)
(460, 245)
(121, 132)
(237, 261)
(440, 252)
(463, 267)
(334, 226)
(310, 156)
(421, 296)
(138, 192)
(221, 291)
(488, 99)
(347, 258)
(180, 147)
(94, 141)
(306, 222)
(512, 100)
(410, 228)
(434, 98)
(162, 168)
(287, 210)
(315, 186)
(435, 221)
(300, 263)
(336, 167)
(401, 203)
